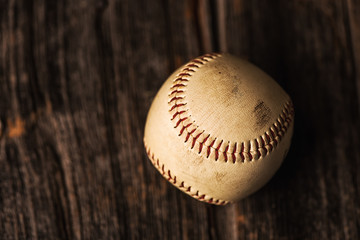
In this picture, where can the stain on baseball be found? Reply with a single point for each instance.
(219, 128)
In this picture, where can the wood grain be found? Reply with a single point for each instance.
(77, 79)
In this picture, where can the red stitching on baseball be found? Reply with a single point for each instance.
(267, 137)
(169, 174)
(177, 105)
(194, 140)
(210, 55)
(176, 91)
(271, 147)
(217, 150)
(197, 61)
(175, 99)
(180, 120)
(209, 148)
(188, 69)
(202, 143)
(257, 148)
(282, 117)
(192, 65)
(184, 74)
(263, 145)
(273, 135)
(180, 184)
(262, 141)
(177, 113)
(180, 79)
(178, 85)
(233, 155)
(242, 152)
(183, 128)
(189, 134)
(276, 129)
(225, 153)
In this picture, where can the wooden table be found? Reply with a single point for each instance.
(77, 79)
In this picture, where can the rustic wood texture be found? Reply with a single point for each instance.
(77, 79)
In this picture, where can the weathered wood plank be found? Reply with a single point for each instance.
(77, 79)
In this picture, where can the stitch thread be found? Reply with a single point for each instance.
(254, 149)
(180, 184)
(233, 152)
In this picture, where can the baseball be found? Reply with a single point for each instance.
(219, 128)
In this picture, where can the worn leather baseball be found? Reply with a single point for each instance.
(219, 128)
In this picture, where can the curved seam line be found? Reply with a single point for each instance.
(249, 150)
(166, 173)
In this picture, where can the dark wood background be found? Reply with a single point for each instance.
(77, 79)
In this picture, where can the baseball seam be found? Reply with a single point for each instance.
(180, 184)
(218, 148)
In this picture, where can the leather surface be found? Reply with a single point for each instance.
(220, 126)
